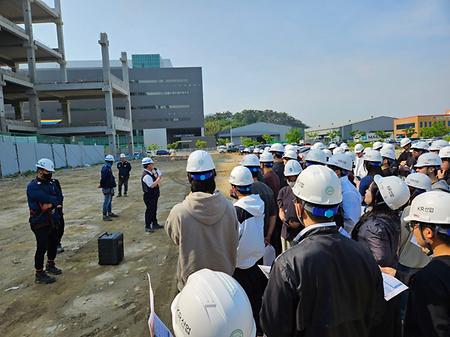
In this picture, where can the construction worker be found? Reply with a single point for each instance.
(389, 165)
(286, 210)
(290, 155)
(428, 306)
(212, 304)
(124, 168)
(444, 172)
(372, 164)
(328, 153)
(327, 285)
(377, 146)
(277, 151)
(332, 146)
(405, 144)
(107, 184)
(429, 164)
(437, 145)
(379, 230)
(359, 171)
(44, 198)
(315, 157)
(266, 194)
(341, 164)
(250, 214)
(204, 225)
(418, 149)
(150, 180)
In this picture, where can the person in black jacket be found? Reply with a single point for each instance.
(124, 168)
(150, 180)
(43, 202)
(107, 184)
(327, 285)
(379, 230)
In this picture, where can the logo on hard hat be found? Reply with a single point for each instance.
(237, 333)
(329, 190)
(425, 209)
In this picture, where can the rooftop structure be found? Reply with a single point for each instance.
(256, 131)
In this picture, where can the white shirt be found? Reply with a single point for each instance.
(351, 204)
(147, 179)
(359, 170)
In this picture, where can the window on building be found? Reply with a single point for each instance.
(421, 124)
(405, 126)
(430, 123)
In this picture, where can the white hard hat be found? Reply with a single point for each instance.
(338, 150)
(266, 157)
(437, 145)
(250, 160)
(377, 145)
(292, 168)
(288, 147)
(388, 146)
(373, 156)
(212, 304)
(199, 161)
(431, 207)
(256, 150)
(444, 152)
(147, 160)
(109, 157)
(420, 146)
(290, 154)
(366, 149)
(440, 185)
(405, 141)
(359, 148)
(342, 161)
(328, 153)
(318, 146)
(267, 149)
(419, 180)
(277, 147)
(393, 190)
(428, 159)
(387, 153)
(332, 146)
(122, 155)
(316, 156)
(46, 164)
(241, 176)
(318, 185)
(344, 146)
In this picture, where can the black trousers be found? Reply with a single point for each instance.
(123, 181)
(254, 282)
(61, 226)
(46, 242)
(151, 203)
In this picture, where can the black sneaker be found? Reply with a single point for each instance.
(112, 215)
(43, 278)
(149, 230)
(52, 269)
(106, 218)
(59, 249)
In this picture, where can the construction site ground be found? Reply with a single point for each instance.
(89, 299)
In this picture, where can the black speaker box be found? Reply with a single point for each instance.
(110, 248)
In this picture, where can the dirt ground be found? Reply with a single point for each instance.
(89, 299)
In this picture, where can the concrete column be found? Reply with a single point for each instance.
(107, 89)
(67, 117)
(128, 112)
(3, 127)
(18, 111)
(33, 98)
(60, 35)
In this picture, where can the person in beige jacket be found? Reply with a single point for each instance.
(204, 225)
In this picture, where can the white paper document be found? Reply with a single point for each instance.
(265, 270)
(392, 286)
(156, 326)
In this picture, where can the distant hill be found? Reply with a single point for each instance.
(223, 120)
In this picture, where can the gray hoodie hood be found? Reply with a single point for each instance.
(252, 204)
(206, 208)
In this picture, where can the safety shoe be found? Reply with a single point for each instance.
(149, 230)
(157, 226)
(52, 269)
(42, 277)
(59, 249)
(112, 215)
(106, 218)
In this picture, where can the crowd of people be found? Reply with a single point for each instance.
(335, 219)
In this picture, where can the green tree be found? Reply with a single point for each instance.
(172, 146)
(294, 135)
(267, 138)
(247, 142)
(334, 134)
(357, 133)
(200, 144)
(381, 134)
(223, 141)
(312, 135)
(437, 129)
(153, 147)
(409, 132)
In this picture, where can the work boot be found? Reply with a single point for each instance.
(149, 230)
(59, 249)
(43, 278)
(52, 269)
(157, 226)
(112, 215)
(106, 218)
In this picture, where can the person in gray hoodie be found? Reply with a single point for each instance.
(204, 225)
(250, 213)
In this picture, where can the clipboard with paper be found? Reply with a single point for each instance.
(156, 327)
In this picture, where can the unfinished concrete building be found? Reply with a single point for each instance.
(19, 86)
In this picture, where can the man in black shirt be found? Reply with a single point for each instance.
(428, 310)
(124, 168)
(277, 151)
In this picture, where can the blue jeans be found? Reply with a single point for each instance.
(107, 199)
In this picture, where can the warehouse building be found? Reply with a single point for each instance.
(256, 131)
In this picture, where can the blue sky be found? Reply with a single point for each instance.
(321, 61)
